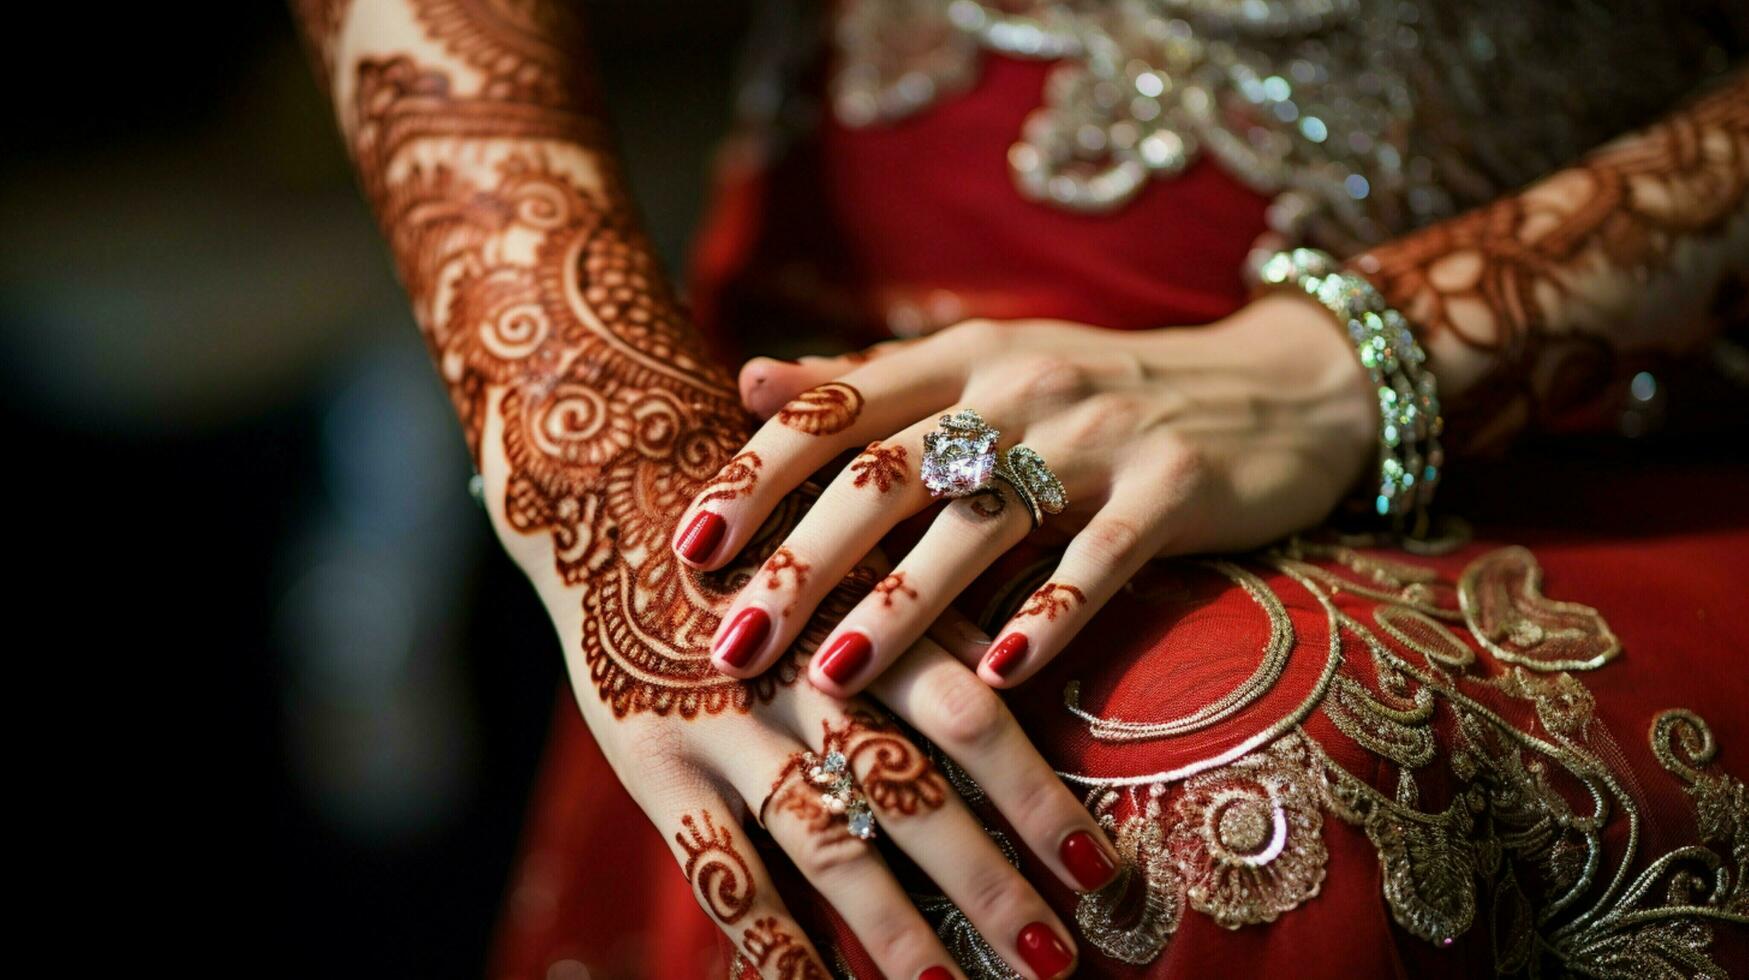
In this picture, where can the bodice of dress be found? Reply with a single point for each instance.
(1362, 118)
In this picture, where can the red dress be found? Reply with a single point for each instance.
(1328, 759)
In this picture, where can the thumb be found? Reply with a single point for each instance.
(767, 384)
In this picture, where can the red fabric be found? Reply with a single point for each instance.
(828, 238)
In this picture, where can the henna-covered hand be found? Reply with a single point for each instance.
(1539, 303)
(594, 418)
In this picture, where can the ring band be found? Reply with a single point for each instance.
(960, 457)
(1035, 484)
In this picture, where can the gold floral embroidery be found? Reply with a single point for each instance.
(1238, 834)
(1141, 845)
(1248, 838)
(1519, 845)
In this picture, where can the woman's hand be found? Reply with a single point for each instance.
(1211, 438)
(720, 750)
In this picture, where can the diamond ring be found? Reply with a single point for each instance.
(960, 457)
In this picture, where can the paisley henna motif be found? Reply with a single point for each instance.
(720, 878)
(736, 479)
(826, 410)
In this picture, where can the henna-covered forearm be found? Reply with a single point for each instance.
(1530, 304)
(582, 388)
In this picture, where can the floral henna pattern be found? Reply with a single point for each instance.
(885, 467)
(720, 877)
(1526, 304)
(892, 586)
(826, 410)
(486, 161)
(784, 561)
(1050, 600)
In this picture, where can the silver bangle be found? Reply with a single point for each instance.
(1411, 460)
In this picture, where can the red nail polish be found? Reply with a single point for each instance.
(935, 973)
(746, 633)
(1006, 654)
(701, 537)
(1043, 951)
(847, 655)
(1087, 861)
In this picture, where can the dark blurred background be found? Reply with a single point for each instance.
(304, 693)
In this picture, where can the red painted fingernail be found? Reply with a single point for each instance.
(1087, 861)
(936, 973)
(847, 655)
(701, 537)
(746, 633)
(1043, 951)
(1005, 654)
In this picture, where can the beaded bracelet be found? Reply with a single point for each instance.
(1410, 457)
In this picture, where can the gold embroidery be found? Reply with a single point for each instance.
(1269, 668)
(1248, 838)
(1238, 834)
(1501, 595)
(1142, 845)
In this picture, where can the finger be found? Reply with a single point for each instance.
(847, 871)
(1134, 525)
(965, 539)
(871, 402)
(733, 887)
(958, 635)
(924, 817)
(969, 722)
(768, 383)
(876, 491)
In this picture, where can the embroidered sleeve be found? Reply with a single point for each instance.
(1531, 305)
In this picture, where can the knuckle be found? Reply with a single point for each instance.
(823, 857)
(1111, 540)
(890, 939)
(997, 893)
(974, 333)
(963, 711)
(1103, 414)
(1051, 378)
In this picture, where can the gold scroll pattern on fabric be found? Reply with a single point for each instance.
(1242, 840)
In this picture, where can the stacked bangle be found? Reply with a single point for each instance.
(1410, 457)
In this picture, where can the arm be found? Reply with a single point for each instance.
(593, 417)
(1231, 436)
(1527, 305)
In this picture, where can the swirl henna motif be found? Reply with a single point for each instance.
(720, 878)
(1050, 600)
(824, 410)
(883, 466)
(897, 777)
